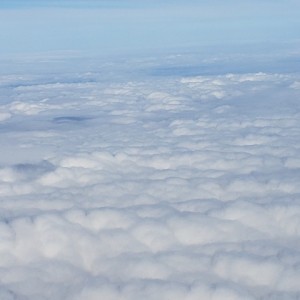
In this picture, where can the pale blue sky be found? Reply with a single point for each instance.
(114, 26)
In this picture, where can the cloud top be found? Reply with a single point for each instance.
(182, 187)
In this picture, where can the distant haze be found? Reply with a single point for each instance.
(124, 26)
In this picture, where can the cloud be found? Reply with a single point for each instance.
(4, 116)
(163, 187)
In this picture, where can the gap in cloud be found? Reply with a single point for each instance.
(70, 119)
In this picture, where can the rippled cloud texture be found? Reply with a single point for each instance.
(169, 175)
(162, 187)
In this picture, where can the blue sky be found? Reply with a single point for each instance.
(130, 25)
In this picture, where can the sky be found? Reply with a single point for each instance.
(127, 26)
(149, 150)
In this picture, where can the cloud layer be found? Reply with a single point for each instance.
(157, 188)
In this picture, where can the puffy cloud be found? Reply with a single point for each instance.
(157, 188)
(4, 116)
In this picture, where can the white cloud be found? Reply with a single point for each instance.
(159, 188)
(4, 116)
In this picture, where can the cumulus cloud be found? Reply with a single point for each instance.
(4, 116)
(155, 188)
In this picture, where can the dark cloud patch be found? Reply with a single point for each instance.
(34, 170)
(70, 119)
